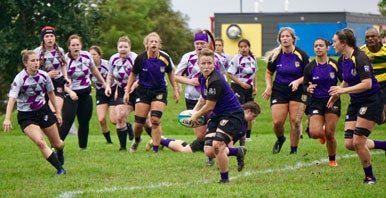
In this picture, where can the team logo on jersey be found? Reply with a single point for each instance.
(297, 64)
(223, 122)
(162, 69)
(367, 68)
(362, 110)
(304, 97)
(354, 72)
(212, 91)
(332, 75)
(159, 96)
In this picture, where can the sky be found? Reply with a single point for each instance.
(200, 11)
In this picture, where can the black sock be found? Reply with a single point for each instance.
(107, 136)
(53, 160)
(122, 136)
(248, 133)
(148, 130)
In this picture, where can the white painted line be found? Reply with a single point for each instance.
(71, 194)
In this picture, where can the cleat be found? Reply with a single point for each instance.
(130, 131)
(134, 146)
(210, 161)
(248, 139)
(223, 181)
(61, 172)
(122, 149)
(369, 180)
(240, 157)
(332, 163)
(277, 146)
(60, 156)
(149, 145)
(293, 152)
(109, 142)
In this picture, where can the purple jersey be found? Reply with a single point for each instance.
(151, 71)
(30, 90)
(323, 75)
(216, 88)
(78, 70)
(355, 69)
(121, 68)
(288, 66)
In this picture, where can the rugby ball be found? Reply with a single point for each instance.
(184, 118)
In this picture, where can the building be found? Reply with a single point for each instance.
(261, 29)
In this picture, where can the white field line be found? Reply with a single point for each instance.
(71, 194)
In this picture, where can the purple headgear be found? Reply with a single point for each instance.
(201, 37)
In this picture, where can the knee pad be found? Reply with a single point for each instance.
(197, 146)
(208, 141)
(348, 134)
(222, 137)
(140, 120)
(362, 132)
(157, 114)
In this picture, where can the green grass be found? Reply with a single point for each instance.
(102, 171)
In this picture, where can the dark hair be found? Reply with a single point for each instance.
(347, 36)
(97, 49)
(49, 30)
(253, 106)
(246, 41)
(328, 43)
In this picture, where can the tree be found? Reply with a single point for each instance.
(137, 18)
(382, 7)
(20, 24)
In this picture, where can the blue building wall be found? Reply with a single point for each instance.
(307, 33)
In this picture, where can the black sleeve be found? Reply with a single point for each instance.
(215, 90)
(138, 63)
(363, 66)
(307, 74)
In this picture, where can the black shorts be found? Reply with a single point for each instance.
(244, 95)
(42, 117)
(367, 107)
(59, 86)
(383, 88)
(101, 97)
(282, 94)
(190, 104)
(231, 123)
(318, 106)
(121, 93)
(146, 95)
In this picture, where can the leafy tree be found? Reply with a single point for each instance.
(20, 24)
(137, 18)
(382, 7)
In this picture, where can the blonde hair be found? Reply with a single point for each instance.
(124, 39)
(155, 34)
(25, 54)
(271, 55)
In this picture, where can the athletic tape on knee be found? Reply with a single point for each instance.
(141, 120)
(222, 137)
(157, 114)
(362, 132)
(348, 134)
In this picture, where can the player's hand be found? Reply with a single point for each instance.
(7, 125)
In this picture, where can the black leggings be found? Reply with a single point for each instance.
(82, 108)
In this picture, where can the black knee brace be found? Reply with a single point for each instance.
(362, 132)
(140, 120)
(157, 114)
(348, 134)
(222, 137)
(208, 141)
